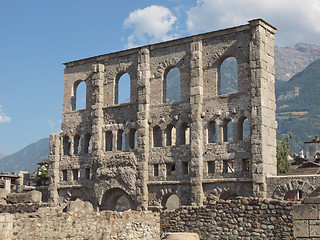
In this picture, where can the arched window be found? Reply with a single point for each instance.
(123, 87)
(172, 202)
(229, 76)
(227, 130)
(171, 88)
(87, 144)
(133, 138)
(171, 135)
(184, 134)
(80, 95)
(157, 139)
(66, 145)
(212, 132)
(120, 140)
(108, 140)
(76, 145)
(117, 199)
(294, 195)
(243, 129)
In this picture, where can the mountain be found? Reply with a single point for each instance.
(27, 158)
(289, 61)
(2, 155)
(298, 106)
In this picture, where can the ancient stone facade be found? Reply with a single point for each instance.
(146, 150)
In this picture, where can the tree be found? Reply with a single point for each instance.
(283, 151)
(41, 175)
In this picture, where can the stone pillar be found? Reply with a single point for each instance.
(7, 184)
(196, 127)
(19, 182)
(97, 112)
(54, 158)
(143, 82)
(263, 123)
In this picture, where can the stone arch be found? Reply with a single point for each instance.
(171, 201)
(223, 192)
(164, 67)
(116, 199)
(291, 185)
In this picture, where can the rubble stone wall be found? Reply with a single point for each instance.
(245, 218)
(52, 223)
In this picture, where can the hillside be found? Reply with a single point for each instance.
(298, 106)
(289, 61)
(27, 158)
(2, 155)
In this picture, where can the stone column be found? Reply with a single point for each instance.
(7, 184)
(196, 127)
(54, 158)
(143, 82)
(263, 123)
(97, 112)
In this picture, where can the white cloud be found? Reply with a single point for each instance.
(296, 20)
(3, 116)
(151, 24)
(54, 125)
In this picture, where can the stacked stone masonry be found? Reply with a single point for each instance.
(243, 218)
(146, 150)
(53, 223)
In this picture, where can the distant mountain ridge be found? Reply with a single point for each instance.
(289, 61)
(2, 155)
(298, 106)
(27, 158)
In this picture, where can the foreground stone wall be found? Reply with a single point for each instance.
(52, 223)
(245, 218)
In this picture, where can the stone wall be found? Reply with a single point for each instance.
(306, 219)
(53, 223)
(279, 186)
(245, 218)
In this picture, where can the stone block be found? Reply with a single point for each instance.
(314, 228)
(301, 228)
(181, 236)
(29, 197)
(305, 211)
(3, 193)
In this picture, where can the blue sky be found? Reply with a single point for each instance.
(36, 36)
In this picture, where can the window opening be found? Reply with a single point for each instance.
(171, 135)
(155, 170)
(87, 173)
(229, 76)
(109, 138)
(184, 136)
(75, 173)
(120, 140)
(171, 169)
(172, 86)
(133, 138)
(157, 138)
(228, 166)
(211, 167)
(80, 94)
(88, 144)
(66, 145)
(64, 175)
(245, 165)
(185, 168)
(212, 132)
(227, 130)
(77, 145)
(123, 89)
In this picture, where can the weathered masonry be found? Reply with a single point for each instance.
(140, 153)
